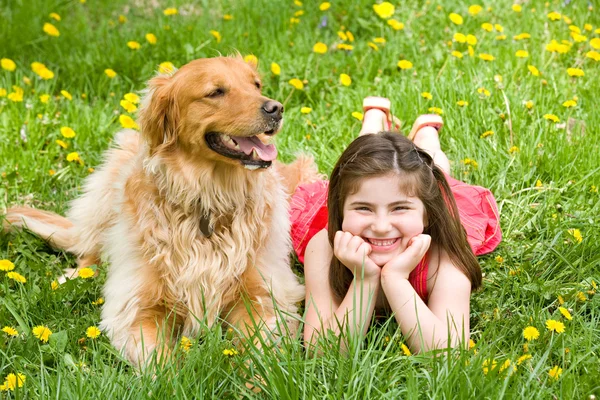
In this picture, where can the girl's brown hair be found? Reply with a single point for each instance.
(384, 153)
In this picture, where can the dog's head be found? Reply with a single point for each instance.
(212, 108)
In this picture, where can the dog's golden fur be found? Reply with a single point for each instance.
(142, 210)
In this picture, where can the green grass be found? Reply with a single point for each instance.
(541, 259)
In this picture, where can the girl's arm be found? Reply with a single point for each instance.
(428, 326)
(323, 313)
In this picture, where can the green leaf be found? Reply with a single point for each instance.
(58, 341)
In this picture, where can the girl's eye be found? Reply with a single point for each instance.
(363, 208)
(400, 208)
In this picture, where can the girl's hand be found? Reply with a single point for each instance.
(353, 252)
(402, 265)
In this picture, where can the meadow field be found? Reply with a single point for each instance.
(516, 84)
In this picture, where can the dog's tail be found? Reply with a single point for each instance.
(55, 229)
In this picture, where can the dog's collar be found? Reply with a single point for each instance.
(205, 227)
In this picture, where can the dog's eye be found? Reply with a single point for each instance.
(258, 85)
(216, 93)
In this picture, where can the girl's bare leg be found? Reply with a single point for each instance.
(373, 122)
(428, 139)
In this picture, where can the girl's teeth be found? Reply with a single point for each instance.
(382, 242)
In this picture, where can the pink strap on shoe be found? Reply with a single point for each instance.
(382, 104)
(424, 120)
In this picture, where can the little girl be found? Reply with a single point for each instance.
(386, 234)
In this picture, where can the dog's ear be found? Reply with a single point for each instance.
(159, 116)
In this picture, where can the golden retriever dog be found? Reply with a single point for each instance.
(190, 213)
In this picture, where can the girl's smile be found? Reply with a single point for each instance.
(384, 216)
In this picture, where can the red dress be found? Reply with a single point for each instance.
(476, 206)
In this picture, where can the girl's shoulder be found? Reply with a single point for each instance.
(442, 273)
(318, 253)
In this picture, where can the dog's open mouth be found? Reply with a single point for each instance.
(251, 151)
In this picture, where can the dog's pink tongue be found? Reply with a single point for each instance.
(266, 152)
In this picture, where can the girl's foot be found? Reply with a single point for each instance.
(426, 121)
(377, 116)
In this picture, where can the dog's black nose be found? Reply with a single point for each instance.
(272, 108)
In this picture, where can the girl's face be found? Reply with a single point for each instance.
(383, 216)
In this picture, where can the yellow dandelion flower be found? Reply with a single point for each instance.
(44, 73)
(471, 39)
(132, 98)
(555, 372)
(296, 83)
(128, 106)
(379, 40)
(475, 9)
(555, 326)
(486, 26)
(92, 332)
(170, 11)
(501, 37)
(405, 350)
(251, 59)
(324, 6)
(275, 69)
(358, 115)
(54, 285)
(13, 381)
(3, 92)
(305, 110)
(576, 233)
(51, 30)
(565, 313)
(385, 10)
(10, 331)
(575, 72)
(216, 35)
(17, 95)
(595, 43)
(122, 19)
(98, 302)
(471, 344)
(185, 344)
(396, 25)
(513, 149)
(74, 156)
(427, 95)
(320, 48)
(16, 277)
(61, 143)
(456, 18)
(345, 79)
(42, 332)
(524, 358)
(528, 104)
(344, 46)
(551, 117)
(569, 103)
(459, 37)
(486, 57)
(484, 91)
(488, 365)
(8, 64)
(594, 55)
(133, 45)
(435, 110)
(531, 333)
(499, 28)
(517, 8)
(538, 184)
(522, 53)
(554, 16)
(166, 67)
(373, 46)
(533, 70)
(457, 54)
(578, 38)
(6, 265)
(405, 64)
(86, 273)
(227, 17)
(110, 73)
(67, 132)
(342, 35)
(66, 95)
(505, 365)
(522, 36)
(151, 38)
(54, 16)
(230, 352)
(462, 103)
